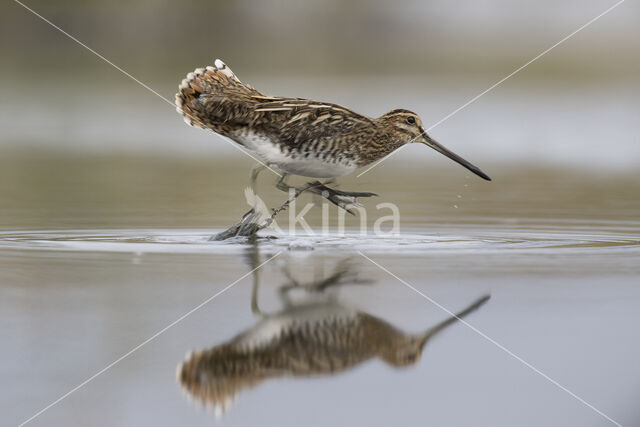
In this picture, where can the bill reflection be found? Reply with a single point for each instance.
(313, 334)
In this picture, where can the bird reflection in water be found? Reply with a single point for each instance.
(315, 336)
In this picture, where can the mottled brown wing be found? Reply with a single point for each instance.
(295, 120)
(214, 98)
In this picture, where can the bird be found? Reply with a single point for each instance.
(296, 136)
(315, 336)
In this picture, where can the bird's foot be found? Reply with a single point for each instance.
(343, 199)
(252, 221)
(247, 227)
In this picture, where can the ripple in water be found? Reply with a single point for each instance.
(576, 237)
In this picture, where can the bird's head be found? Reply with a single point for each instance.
(408, 128)
(405, 351)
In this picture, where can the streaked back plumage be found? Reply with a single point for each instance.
(214, 98)
(298, 136)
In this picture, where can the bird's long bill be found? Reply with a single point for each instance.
(453, 156)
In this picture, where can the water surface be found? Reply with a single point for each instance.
(99, 254)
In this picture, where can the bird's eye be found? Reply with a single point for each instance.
(411, 120)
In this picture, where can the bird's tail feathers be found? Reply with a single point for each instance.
(204, 91)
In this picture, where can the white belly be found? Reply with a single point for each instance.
(270, 154)
(303, 317)
(315, 168)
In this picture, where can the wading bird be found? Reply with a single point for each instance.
(295, 136)
(315, 336)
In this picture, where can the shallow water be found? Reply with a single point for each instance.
(92, 267)
(508, 239)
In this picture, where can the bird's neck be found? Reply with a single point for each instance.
(382, 143)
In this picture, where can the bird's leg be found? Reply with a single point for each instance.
(297, 191)
(282, 185)
(283, 290)
(342, 199)
(253, 256)
(344, 274)
(248, 225)
(255, 171)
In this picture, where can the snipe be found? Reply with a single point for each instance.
(299, 136)
(313, 336)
